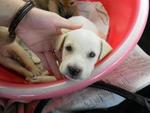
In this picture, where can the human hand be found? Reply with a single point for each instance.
(38, 30)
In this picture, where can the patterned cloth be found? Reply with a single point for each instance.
(10, 106)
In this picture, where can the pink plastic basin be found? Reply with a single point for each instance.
(127, 21)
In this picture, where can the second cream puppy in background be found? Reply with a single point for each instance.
(65, 8)
(81, 49)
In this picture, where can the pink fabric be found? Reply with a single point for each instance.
(53, 105)
(21, 108)
(11, 106)
(31, 107)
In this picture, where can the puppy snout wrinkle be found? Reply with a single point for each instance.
(74, 71)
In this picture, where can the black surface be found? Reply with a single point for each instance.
(144, 42)
(41, 105)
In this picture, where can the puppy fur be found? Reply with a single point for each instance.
(65, 8)
(13, 56)
(81, 49)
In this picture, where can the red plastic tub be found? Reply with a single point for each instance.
(127, 21)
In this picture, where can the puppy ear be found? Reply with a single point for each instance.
(61, 39)
(105, 48)
(60, 42)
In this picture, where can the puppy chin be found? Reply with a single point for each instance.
(68, 76)
(73, 79)
(79, 78)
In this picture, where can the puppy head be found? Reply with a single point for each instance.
(80, 51)
(68, 3)
(68, 8)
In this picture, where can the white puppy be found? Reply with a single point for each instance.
(81, 49)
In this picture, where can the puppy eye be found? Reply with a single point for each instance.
(91, 55)
(68, 48)
(71, 3)
(61, 4)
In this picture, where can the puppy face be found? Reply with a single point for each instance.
(68, 3)
(80, 52)
(67, 8)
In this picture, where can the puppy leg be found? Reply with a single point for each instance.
(52, 6)
(54, 66)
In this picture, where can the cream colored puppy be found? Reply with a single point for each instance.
(65, 8)
(81, 49)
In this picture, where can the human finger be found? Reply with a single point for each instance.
(64, 23)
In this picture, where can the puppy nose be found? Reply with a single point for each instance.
(74, 71)
(68, 16)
